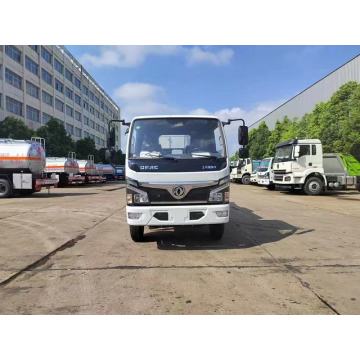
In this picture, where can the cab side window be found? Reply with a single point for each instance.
(304, 150)
(313, 149)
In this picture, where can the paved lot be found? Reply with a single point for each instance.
(70, 253)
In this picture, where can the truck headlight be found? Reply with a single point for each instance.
(136, 196)
(267, 175)
(220, 194)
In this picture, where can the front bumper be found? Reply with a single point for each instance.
(264, 182)
(178, 215)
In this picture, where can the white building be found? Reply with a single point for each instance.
(321, 91)
(40, 82)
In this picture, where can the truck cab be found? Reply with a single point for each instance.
(265, 174)
(301, 164)
(242, 172)
(177, 173)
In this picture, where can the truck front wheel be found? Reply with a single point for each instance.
(245, 179)
(216, 231)
(137, 233)
(313, 186)
(5, 188)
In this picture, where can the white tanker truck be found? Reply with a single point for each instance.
(90, 171)
(66, 169)
(22, 165)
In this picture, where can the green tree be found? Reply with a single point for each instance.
(84, 148)
(258, 141)
(58, 142)
(14, 128)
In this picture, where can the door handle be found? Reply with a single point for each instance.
(310, 164)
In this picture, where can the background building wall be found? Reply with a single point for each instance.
(321, 91)
(85, 118)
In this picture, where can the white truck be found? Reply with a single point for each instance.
(242, 172)
(301, 164)
(265, 174)
(177, 173)
(22, 165)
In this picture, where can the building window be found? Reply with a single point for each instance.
(77, 99)
(13, 52)
(77, 116)
(32, 113)
(59, 105)
(97, 127)
(47, 77)
(91, 109)
(97, 101)
(85, 90)
(77, 132)
(86, 105)
(59, 86)
(32, 66)
(45, 118)
(34, 47)
(86, 134)
(47, 98)
(92, 124)
(69, 93)
(69, 129)
(32, 90)
(59, 67)
(91, 95)
(68, 75)
(69, 111)
(46, 55)
(0, 100)
(77, 82)
(86, 120)
(97, 114)
(13, 79)
(14, 106)
(102, 105)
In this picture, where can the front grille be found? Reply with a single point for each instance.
(197, 195)
(279, 171)
(278, 177)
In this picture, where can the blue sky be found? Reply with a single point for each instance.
(247, 81)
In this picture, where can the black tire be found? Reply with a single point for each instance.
(313, 186)
(245, 180)
(271, 187)
(216, 231)
(5, 188)
(137, 233)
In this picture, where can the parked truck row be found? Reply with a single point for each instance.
(25, 169)
(302, 165)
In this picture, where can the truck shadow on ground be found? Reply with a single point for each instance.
(245, 230)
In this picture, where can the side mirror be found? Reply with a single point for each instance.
(243, 153)
(296, 151)
(243, 135)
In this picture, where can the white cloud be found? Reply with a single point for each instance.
(196, 55)
(128, 56)
(141, 99)
(250, 116)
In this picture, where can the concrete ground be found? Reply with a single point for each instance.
(69, 252)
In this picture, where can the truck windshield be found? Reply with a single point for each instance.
(176, 138)
(283, 153)
(264, 165)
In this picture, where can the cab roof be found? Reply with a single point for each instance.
(149, 117)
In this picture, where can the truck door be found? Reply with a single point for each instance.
(305, 159)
